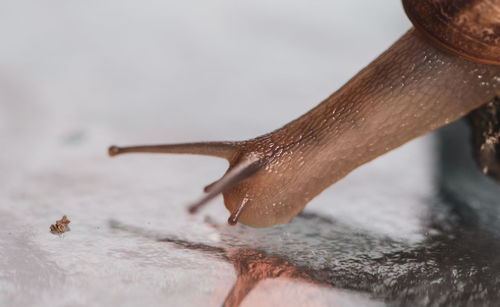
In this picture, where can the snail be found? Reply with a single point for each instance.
(443, 68)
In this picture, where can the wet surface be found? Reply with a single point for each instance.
(418, 226)
(319, 258)
(457, 263)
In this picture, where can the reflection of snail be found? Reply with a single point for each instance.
(431, 76)
(342, 257)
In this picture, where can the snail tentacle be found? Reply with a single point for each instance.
(224, 150)
(235, 175)
(235, 215)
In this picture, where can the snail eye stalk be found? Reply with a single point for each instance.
(237, 173)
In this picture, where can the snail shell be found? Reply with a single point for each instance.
(468, 28)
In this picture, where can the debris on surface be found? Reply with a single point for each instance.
(60, 226)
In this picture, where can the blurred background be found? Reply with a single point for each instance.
(76, 77)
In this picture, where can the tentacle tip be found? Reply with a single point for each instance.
(192, 209)
(113, 150)
(232, 221)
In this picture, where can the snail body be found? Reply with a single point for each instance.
(411, 89)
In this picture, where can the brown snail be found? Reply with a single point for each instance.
(446, 67)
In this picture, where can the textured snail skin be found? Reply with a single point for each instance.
(409, 90)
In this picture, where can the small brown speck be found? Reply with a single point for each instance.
(60, 226)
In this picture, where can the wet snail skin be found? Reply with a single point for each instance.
(423, 81)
